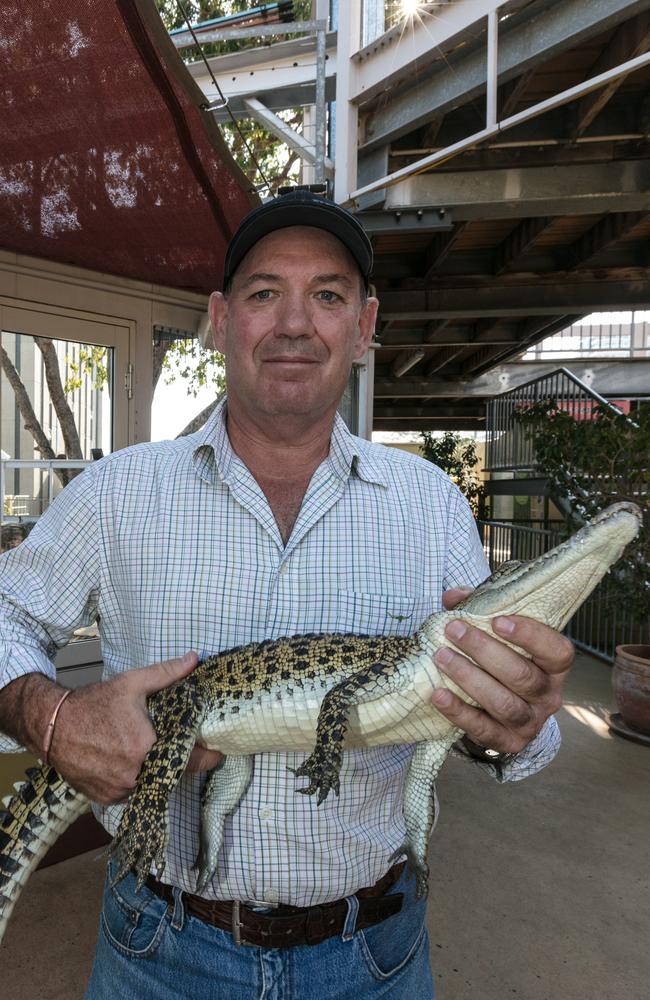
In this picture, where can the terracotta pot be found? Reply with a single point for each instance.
(631, 683)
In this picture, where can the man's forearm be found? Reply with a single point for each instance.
(26, 705)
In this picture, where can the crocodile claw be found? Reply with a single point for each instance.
(323, 770)
(418, 866)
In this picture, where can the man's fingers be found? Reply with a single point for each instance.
(480, 727)
(550, 650)
(154, 678)
(203, 760)
(502, 703)
(452, 597)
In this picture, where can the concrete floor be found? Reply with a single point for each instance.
(539, 890)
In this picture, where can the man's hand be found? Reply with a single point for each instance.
(104, 732)
(517, 695)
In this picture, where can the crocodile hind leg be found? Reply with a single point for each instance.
(222, 793)
(143, 834)
(322, 767)
(420, 806)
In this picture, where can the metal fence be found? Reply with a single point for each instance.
(597, 627)
(507, 447)
(20, 511)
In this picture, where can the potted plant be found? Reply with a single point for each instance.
(591, 460)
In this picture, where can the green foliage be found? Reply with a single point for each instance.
(249, 142)
(186, 359)
(91, 363)
(591, 463)
(456, 456)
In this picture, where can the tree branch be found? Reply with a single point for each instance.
(30, 420)
(57, 396)
(197, 422)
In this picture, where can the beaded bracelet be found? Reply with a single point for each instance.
(49, 732)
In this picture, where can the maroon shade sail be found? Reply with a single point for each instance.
(106, 160)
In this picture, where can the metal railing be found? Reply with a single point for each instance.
(34, 505)
(589, 337)
(598, 626)
(507, 447)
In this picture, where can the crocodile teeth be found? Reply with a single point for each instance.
(6, 801)
(18, 785)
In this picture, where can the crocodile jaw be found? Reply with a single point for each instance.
(552, 587)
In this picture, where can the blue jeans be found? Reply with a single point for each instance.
(150, 951)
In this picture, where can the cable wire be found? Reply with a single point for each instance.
(224, 100)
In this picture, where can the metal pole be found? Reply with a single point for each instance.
(492, 73)
(347, 115)
(320, 139)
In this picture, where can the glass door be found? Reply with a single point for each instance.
(63, 405)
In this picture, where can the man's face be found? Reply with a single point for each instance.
(292, 324)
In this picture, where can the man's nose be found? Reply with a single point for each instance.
(294, 318)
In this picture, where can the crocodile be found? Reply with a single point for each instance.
(322, 693)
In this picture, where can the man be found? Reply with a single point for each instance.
(272, 520)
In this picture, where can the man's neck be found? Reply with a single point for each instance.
(283, 448)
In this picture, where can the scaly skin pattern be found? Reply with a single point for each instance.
(43, 807)
(314, 692)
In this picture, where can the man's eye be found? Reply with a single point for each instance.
(263, 294)
(326, 295)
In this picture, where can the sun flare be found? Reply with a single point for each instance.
(408, 8)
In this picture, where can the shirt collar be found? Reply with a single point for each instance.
(213, 456)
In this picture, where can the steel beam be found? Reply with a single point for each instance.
(569, 189)
(631, 39)
(605, 233)
(528, 43)
(518, 242)
(614, 379)
(284, 74)
(477, 138)
(403, 50)
(274, 124)
(535, 299)
(408, 220)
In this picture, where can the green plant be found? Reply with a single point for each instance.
(456, 455)
(591, 461)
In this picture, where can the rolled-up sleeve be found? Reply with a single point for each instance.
(49, 586)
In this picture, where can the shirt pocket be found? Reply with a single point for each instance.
(382, 614)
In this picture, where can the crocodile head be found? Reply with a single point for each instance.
(552, 587)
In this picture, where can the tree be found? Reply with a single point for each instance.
(592, 462)
(254, 149)
(456, 455)
(91, 363)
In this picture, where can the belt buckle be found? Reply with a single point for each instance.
(236, 923)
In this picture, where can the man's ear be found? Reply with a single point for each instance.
(367, 321)
(218, 311)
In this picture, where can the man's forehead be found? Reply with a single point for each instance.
(289, 242)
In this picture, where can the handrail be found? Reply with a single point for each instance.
(506, 447)
(48, 464)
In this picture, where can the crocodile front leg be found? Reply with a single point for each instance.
(222, 793)
(420, 805)
(143, 834)
(323, 766)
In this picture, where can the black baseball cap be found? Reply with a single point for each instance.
(299, 208)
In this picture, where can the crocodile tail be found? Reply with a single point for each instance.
(42, 808)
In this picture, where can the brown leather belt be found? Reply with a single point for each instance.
(285, 925)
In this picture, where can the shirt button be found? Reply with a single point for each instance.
(271, 896)
(283, 569)
(266, 812)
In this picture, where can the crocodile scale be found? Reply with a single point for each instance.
(318, 693)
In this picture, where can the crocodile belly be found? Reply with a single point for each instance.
(285, 718)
